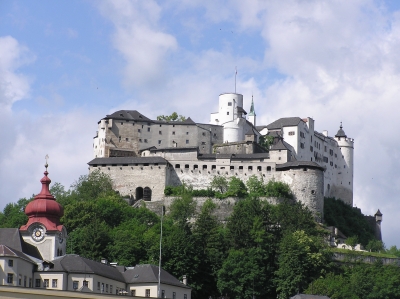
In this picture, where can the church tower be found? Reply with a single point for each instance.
(252, 113)
(44, 229)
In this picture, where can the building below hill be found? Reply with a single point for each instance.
(143, 156)
(34, 256)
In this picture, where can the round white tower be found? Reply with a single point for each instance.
(346, 146)
(230, 116)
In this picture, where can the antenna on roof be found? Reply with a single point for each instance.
(235, 77)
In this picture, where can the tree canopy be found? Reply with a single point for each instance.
(173, 117)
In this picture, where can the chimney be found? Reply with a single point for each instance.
(184, 280)
(114, 264)
(104, 261)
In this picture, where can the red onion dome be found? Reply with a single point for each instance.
(44, 204)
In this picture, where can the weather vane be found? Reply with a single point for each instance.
(46, 165)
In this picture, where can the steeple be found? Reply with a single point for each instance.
(44, 208)
(252, 113)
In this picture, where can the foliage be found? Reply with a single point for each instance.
(178, 190)
(266, 141)
(352, 241)
(301, 258)
(350, 221)
(361, 281)
(393, 250)
(173, 117)
(236, 188)
(219, 183)
(375, 246)
(13, 215)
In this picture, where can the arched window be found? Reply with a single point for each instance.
(139, 193)
(147, 194)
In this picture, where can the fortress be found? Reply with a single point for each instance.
(143, 156)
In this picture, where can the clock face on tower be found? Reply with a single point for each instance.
(38, 233)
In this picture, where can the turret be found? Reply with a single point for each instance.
(231, 114)
(43, 228)
(346, 164)
(252, 113)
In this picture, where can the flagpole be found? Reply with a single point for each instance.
(235, 77)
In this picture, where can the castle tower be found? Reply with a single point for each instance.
(44, 229)
(230, 116)
(378, 229)
(252, 113)
(346, 164)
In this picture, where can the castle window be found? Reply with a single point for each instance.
(204, 134)
(122, 123)
(10, 263)
(203, 143)
(85, 283)
(10, 277)
(20, 280)
(291, 133)
(213, 167)
(268, 168)
(173, 295)
(232, 168)
(329, 187)
(140, 139)
(177, 166)
(159, 132)
(119, 139)
(204, 167)
(163, 294)
(349, 183)
(173, 132)
(147, 292)
(98, 285)
(46, 283)
(325, 148)
(311, 149)
(111, 288)
(126, 139)
(186, 166)
(145, 140)
(344, 166)
(229, 103)
(301, 145)
(148, 129)
(215, 135)
(106, 287)
(335, 166)
(187, 133)
(195, 166)
(227, 113)
(173, 126)
(240, 167)
(184, 296)
(159, 141)
(250, 168)
(142, 126)
(138, 130)
(312, 191)
(258, 168)
(187, 141)
(304, 169)
(133, 293)
(37, 283)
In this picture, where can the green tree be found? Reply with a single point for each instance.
(301, 259)
(13, 215)
(266, 141)
(278, 189)
(352, 241)
(173, 117)
(375, 246)
(236, 188)
(219, 183)
(255, 185)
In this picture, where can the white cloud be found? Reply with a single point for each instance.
(13, 85)
(142, 43)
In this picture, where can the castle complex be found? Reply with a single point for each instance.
(143, 156)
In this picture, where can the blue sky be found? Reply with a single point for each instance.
(66, 64)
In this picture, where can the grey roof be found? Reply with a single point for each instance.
(127, 160)
(149, 274)
(11, 252)
(240, 109)
(280, 145)
(284, 122)
(155, 149)
(306, 296)
(127, 115)
(298, 164)
(73, 263)
(11, 237)
(341, 133)
(259, 128)
(378, 213)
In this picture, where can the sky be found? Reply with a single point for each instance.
(64, 65)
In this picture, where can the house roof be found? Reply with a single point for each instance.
(149, 274)
(11, 237)
(298, 164)
(8, 251)
(234, 156)
(73, 263)
(127, 115)
(280, 145)
(127, 160)
(284, 122)
(341, 133)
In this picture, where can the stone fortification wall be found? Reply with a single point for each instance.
(223, 210)
(243, 147)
